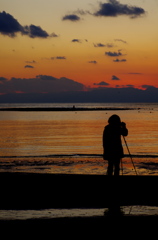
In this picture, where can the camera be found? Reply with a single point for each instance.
(123, 124)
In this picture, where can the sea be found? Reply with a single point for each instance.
(70, 142)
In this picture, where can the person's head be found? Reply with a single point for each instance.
(114, 120)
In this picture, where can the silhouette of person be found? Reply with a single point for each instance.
(112, 145)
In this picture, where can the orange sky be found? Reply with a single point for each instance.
(136, 39)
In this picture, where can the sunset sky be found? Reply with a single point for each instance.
(97, 44)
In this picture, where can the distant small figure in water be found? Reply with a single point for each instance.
(112, 145)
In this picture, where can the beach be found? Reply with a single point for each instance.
(77, 205)
(52, 169)
(26, 191)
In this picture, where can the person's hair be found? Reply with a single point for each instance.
(114, 119)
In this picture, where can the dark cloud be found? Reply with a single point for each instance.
(108, 45)
(148, 87)
(102, 84)
(94, 62)
(115, 78)
(46, 77)
(35, 31)
(114, 8)
(120, 60)
(71, 17)
(28, 66)
(76, 40)
(100, 94)
(3, 79)
(45, 88)
(9, 26)
(99, 45)
(58, 58)
(40, 84)
(113, 54)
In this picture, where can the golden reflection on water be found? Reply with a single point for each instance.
(38, 133)
(51, 137)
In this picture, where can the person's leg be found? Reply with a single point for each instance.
(117, 167)
(110, 168)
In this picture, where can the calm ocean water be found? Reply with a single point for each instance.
(71, 142)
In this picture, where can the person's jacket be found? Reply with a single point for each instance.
(112, 143)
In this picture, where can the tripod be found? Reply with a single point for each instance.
(130, 156)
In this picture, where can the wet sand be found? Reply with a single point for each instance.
(45, 191)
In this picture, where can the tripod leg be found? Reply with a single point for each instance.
(122, 166)
(130, 155)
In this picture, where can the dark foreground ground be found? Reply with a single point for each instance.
(44, 191)
(38, 191)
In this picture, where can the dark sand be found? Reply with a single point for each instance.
(41, 191)
(45, 191)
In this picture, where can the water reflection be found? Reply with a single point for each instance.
(62, 213)
(72, 133)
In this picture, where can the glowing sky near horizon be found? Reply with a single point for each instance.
(90, 50)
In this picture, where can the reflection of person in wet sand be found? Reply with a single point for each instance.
(114, 211)
(113, 150)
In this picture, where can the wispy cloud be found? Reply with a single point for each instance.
(135, 73)
(120, 40)
(58, 58)
(28, 66)
(119, 60)
(93, 62)
(108, 45)
(32, 62)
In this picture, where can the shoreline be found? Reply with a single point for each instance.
(68, 109)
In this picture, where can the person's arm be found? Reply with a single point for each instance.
(104, 137)
(124, 130)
